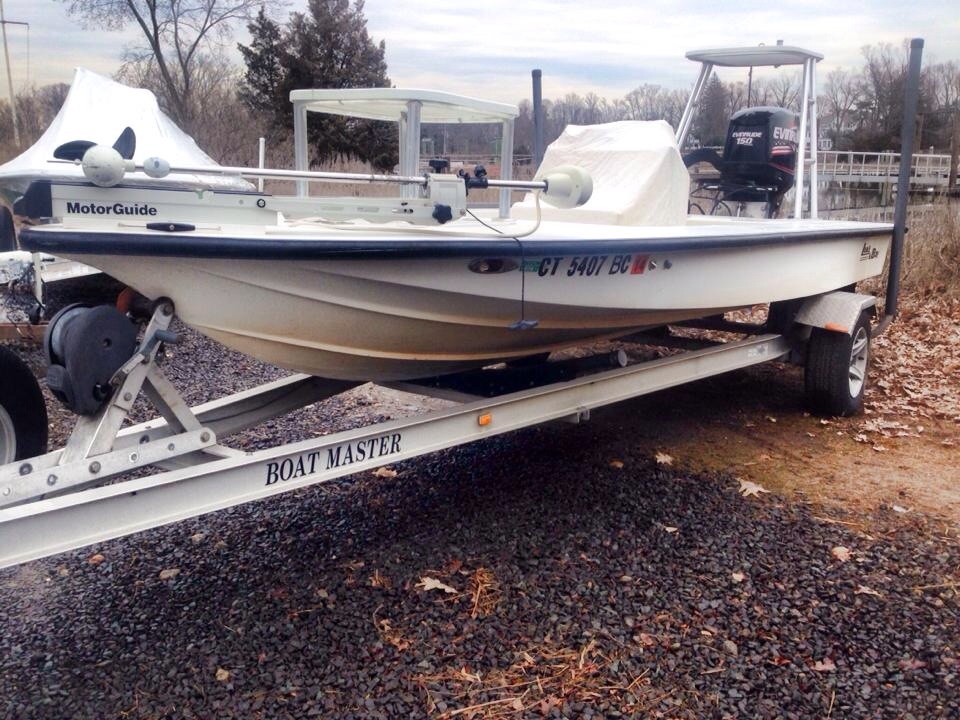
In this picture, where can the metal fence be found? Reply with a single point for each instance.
(928, 169)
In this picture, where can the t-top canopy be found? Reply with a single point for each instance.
(759, 56)
(391, 103)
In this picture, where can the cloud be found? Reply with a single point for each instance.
(488, 49)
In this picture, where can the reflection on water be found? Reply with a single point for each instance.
(866, 202)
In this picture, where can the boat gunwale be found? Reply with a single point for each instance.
(156, 243)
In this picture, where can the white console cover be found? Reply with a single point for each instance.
(638, 175)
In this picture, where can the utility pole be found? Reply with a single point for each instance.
(6, 54)
(954, 151)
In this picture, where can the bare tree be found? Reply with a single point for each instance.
(177, 33)
(784, 90)
(841, 92)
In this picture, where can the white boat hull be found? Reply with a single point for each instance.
(391, 319)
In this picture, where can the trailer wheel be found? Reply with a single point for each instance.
(836, 370)
(23, 413)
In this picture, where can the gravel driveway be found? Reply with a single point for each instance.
(552, 572)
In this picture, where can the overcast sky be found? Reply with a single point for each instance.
(487, 48)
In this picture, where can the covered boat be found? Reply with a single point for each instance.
(391, 288)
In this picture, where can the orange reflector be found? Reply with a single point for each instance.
(485, 419)
(836, 328)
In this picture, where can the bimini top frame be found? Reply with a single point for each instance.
(409, 108)
(768, 56)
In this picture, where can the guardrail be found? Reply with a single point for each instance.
(882, 167)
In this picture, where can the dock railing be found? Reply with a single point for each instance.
(882, 167)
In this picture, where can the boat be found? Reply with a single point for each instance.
(95, 109)
(397, 287)
(383, 289)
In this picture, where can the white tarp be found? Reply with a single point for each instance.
(638, 175)
(98, 109)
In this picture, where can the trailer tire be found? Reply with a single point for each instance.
(23, 413)
(836, 371)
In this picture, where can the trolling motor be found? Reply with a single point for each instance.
(442, 196)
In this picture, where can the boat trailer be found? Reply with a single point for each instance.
(59, 501)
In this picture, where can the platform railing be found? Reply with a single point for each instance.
(929, 168)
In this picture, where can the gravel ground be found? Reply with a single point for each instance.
(552, 572)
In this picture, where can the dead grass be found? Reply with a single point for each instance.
(931, 258)
(538, 681)
(931, 266)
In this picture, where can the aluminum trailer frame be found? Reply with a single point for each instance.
(49, 506)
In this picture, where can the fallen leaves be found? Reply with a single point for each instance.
(169, 573)
(616, 464)
(912, 664)
(379, 580)
(222, 675)
(825, 665)
(738, 577)
(385, 472)
(663, 459)
(864, 590)
(841, 553)
(748, 488)
(95, 559)
(915, 365)
(428, 583)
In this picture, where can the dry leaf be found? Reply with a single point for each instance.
(771, 418)
(197, 538)
(841, 553)
(96, 559)
(379, 580)
(646, 640)
(517, 704)
(385, 472)
(429, 583)
(864, 590)
(748, 488)
(663, 459)
(222, 675)
(825, 665)
(616, 464)
(899, 509)
(669, 529)
(912, 664)
(169, 573)
(738, 577)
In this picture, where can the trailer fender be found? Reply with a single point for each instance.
(835, 311)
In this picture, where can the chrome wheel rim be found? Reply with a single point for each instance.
(8, 438)
(858, 361)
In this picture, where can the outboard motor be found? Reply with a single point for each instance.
(760, 155)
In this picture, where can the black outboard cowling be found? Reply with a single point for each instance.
(760, 155)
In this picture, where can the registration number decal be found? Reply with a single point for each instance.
(588, 265)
